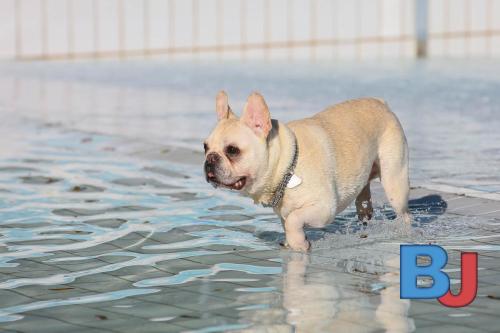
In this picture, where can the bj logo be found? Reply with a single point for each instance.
(440, 288)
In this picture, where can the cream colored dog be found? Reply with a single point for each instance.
(309, 170)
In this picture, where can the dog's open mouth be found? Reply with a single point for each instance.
(237, 185)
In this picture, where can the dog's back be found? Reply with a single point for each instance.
(365, 139)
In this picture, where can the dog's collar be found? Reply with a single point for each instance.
(279, 191)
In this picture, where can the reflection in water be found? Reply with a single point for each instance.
(326, 301)
(392, 312)
(322, 294)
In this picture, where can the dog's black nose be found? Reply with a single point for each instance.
(210, 165)
(213, 158)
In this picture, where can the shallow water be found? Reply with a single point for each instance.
(77, 206)
(450, 110)
(95, 217)
(68, 198)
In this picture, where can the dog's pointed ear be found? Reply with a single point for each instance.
(222, 107)
(256, 115)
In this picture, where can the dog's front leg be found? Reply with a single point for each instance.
(295, 222)
(294, 231)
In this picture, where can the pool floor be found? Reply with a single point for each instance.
(106, 234)
(107, 223)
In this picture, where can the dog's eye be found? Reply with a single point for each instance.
(205, 146)
(232, 151)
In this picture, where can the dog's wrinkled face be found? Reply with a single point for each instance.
(236, 150)
(232, 153)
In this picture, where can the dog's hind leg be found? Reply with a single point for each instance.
(364, 206)
(393, 159)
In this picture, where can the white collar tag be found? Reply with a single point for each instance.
(294, 181)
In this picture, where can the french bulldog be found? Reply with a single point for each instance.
(311, 169)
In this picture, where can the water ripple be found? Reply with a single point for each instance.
(138, 260)
(11, 313)
(190, 275)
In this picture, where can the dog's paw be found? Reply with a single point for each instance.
(284, 245)
(301, 247)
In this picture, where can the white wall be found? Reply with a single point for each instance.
(252, 29)
(464, 28)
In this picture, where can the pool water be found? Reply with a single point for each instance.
(106, 220)
(450, 110)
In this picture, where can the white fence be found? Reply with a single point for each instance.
(245, 29)
(464, 28)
